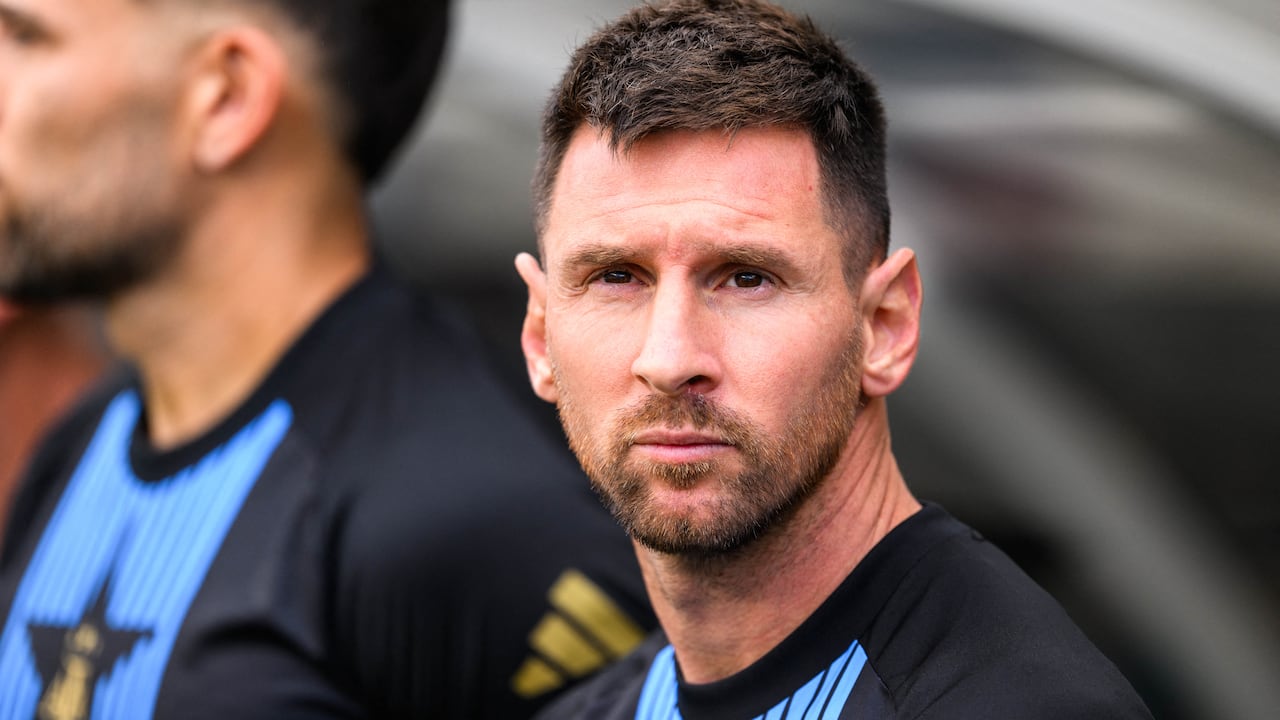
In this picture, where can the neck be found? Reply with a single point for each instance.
(256, 271)
(723, 614)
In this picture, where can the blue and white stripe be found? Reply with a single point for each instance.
(822, 698)
(174, 530)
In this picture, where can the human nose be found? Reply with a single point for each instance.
(677, 355)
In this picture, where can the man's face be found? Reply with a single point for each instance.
(88, 185)
(702, 339)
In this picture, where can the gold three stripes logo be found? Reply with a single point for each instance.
(582, 632)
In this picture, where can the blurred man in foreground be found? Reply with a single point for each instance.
(720, 322)
(312, 499)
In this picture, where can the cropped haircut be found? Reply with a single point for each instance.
(379, 59)
(726, 65)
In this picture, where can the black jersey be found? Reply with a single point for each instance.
(934, 623)
(379, 531)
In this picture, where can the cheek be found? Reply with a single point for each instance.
(50, 138)
(773, 390)
(80, 103)
(779, 374)
(33, 138)
(595, 350)
(54, 101)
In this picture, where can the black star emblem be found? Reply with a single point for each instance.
(71, 658)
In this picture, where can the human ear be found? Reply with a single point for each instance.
(890, 300)
(533, 336)
(235, 96)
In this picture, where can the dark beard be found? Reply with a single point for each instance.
(48, 261)
(778, 474)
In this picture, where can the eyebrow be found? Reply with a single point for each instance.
(598, 255)
(761, 257)
(19, 19)
(603, 255)
(8, 12)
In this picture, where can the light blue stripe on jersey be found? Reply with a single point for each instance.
(658, 697)
(156, 541)
(822, 698)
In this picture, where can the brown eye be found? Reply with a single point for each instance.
(616, 276)
(746, 279)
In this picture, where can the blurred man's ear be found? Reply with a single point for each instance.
(236, 94)
(890, 302)
(533, 337)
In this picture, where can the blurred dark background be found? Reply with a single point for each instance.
(1094, 192)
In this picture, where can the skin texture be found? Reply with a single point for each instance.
(175, 161)
(719, 378)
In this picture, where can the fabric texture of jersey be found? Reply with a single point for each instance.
(380, 530)
(934, 623)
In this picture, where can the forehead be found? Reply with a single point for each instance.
(92, 24)
(762, 178)
(69, 14)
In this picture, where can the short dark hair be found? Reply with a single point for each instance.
(728, 65)
(380, 58)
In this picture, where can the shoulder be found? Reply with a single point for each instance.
(57, 455)
(967, 633)
(417, 444)
(464, 500)
(451, 514)
(391, 371)
(81, 420)
(415, 431)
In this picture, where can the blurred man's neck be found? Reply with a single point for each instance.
(263, 261)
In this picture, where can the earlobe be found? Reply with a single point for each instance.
(533, 335)
(236, 95)
(890, 300)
